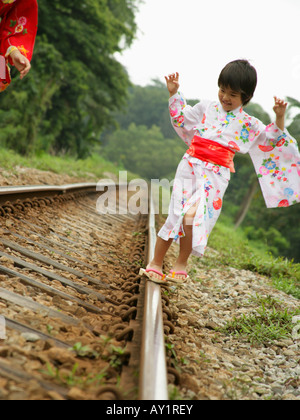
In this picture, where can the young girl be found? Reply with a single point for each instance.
(18, 28)
(214, 132)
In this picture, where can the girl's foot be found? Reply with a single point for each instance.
(154, 273)
(157, 272)
(178, 274)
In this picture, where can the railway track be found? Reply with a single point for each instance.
(74, 312)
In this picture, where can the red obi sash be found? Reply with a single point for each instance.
(212, 152)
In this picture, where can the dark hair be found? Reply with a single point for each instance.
(240, 76)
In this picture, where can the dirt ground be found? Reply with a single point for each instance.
(27, 176)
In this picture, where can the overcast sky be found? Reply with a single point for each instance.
(198, 38)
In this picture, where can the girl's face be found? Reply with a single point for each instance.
(230, 99)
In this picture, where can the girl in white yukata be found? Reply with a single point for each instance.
(214, 132)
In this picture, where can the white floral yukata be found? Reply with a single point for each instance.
(274, 153)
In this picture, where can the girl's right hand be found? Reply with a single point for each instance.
(172, 83)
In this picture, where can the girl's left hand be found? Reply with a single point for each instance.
(21, 63)
(280, 107)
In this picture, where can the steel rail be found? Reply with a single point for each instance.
(153, 372)
(37, 191)
(153, 368)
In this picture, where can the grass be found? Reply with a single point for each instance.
(270, 322)
(91, 168)
(236, 250)
(72, 378)
(84, 375)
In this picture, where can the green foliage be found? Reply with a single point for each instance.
(75, 83)
(285, 221)
(272, 237)
(144, 151)
(254, 255)
(257, 111)
(147, 106)
(295, 127)
(84, 351)
(264, 326)
(93, 168)
(21, 123)
(294, 113)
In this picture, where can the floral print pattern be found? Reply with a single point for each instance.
(274, 153)
(18, 28)
(194, 184)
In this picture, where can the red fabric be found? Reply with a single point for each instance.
(18, 27)
(212, 152)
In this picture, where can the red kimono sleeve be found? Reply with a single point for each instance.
(18, 27)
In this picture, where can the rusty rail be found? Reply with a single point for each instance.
(153, 375)
(153, 367)
(14, 194)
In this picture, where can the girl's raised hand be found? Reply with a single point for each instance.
(279, 107)
(172, 83)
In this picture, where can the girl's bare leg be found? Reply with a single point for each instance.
(186, 243)
(186, 246)
(161, 249)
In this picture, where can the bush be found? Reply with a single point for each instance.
(271, 237)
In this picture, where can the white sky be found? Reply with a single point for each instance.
(198, 38)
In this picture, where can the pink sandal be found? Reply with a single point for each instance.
(173, 275)
(148, 272)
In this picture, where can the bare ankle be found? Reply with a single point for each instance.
(155, 264)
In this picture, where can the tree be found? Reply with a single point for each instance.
(144, 151)
(24, 105)
(76, 86)
(258, 112)
(147, 106)
(294, 127)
